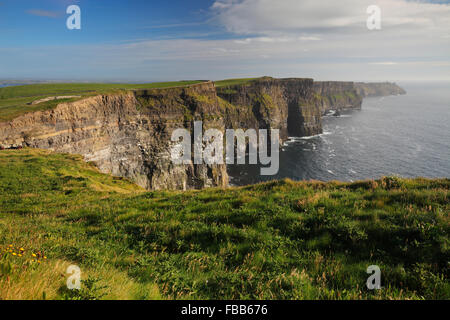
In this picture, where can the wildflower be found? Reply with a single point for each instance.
(19, 255)
(14, 254)
(34, 255)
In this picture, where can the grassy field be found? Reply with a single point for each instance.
(278, 240)
(14, 100)
(233, 82)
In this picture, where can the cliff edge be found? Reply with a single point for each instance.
(128, 133)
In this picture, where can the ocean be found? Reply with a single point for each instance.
(10, 85)
(407, 136)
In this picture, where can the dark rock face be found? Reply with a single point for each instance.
(129, 134)
(336, 95)
(284, 104)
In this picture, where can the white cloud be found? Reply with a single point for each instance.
(411, 31)
(310, 38)
(387, 63)
(266, 17)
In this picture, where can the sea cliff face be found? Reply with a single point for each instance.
(336, 95)
(129, 134)
(340, 95)
(284, 104)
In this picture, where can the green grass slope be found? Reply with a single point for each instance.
(234, 82)
(278, 240)
(14, 100)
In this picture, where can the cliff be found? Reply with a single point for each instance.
(128, 133)
(336, 95)
(340, 95)
(125, 134)
(284, 104)
(378, 89)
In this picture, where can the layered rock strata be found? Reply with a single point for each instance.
(129, 134)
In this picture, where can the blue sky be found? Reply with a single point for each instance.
(29, 22)
(138, 40)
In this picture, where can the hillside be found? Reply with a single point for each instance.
(278, 240)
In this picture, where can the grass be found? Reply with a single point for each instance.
(14, 100)
(233, 82)
(276, 240)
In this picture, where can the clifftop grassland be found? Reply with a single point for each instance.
(277, 240)
(15, 100)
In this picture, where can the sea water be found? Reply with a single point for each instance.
(406, 135)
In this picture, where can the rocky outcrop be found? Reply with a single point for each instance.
(378, 89)
(129, 134)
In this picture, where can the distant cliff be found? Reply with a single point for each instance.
(378, 89)
(128, 134)
(339, 95)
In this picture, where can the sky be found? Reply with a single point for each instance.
(146, 41)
